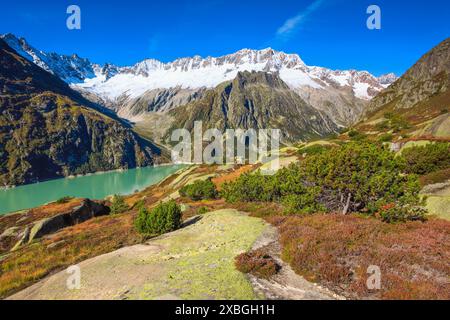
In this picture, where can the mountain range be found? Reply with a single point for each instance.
(62, 115)
(151, 85)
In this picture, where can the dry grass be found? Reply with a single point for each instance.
(231, 176)
(336, 250)
(45, 211)
(435, 177)
(70, 246)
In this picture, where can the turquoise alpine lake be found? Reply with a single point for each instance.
(95, 186)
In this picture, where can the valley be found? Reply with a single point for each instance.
(364, 179)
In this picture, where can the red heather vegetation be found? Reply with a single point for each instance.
(336, 251)
(257, 263)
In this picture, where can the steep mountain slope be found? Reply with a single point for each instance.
(71, 69)
(47, 130)
(151, 85)
(421, 97)
(255, 100)
(157, 100)
(428, 77)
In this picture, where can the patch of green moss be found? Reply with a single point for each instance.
(199, 261)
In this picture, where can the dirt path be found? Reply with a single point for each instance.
(286, 285)
(196, 262)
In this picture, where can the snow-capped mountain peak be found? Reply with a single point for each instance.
(388, 79)
(70, 68)
(197, 72)
(111, 82)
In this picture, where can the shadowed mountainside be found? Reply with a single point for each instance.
(47, 130)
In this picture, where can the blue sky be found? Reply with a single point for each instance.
(329, 33)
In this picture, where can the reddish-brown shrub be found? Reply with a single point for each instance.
(336, 250)
(257, 263)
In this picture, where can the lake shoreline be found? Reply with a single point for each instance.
(95, 186)
(9, 187)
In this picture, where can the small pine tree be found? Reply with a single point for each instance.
(200, 190)
(166, 217)
(118, 205)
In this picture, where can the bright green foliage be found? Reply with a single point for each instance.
(287, 187)
(63, 200)
(314, 149)
(365, 175)
(118, 205)
(398, 213)
(305, 203)
(200, 190)
(387, 137)
(356, 177)
(356, 135)
(202, 210)
(166, 217)
(426, 159)
(394, 122)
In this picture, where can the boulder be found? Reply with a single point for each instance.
(87, 210)
(14, 237)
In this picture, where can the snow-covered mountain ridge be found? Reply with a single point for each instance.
(111, 82)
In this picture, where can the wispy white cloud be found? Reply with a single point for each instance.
(292, 24)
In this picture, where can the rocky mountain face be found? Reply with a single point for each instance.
(428, 78)
(157, 100)
(47, 130)
(259, 100)
(151, 85)
(418, 103)
(71, 69)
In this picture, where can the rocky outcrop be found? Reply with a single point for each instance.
(157, 100)
(340, 104)
(429, 77)
(15, 237)
(87, 210)
(256, 100)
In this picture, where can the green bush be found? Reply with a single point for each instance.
(356, 177)
(314, 149)
(166, 217)
(356, 135)
(383, 126)
(118, 205)
(394, 122)
(305, 203)
(250, 188)
(363, 175)
(63, 200)
(426, 159)
(200, 190)
(398, 213)
(202, 210)
(387, 137)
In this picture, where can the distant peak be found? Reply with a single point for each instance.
(8, 36)
(388, 78)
